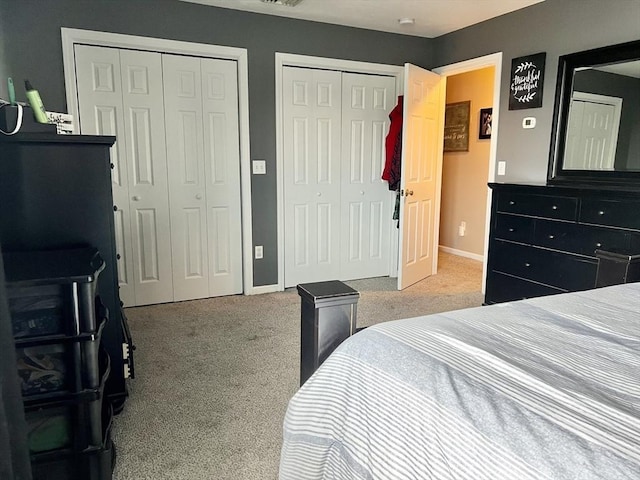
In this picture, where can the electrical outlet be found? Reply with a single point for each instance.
(462, 229)
(258, 252)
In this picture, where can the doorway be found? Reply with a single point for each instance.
(477, 64)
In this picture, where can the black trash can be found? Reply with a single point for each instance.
(327, 318)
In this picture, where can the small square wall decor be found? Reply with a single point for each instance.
(485, 123)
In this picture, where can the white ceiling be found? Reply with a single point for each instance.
(432, 17)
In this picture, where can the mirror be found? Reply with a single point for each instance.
(596, 125)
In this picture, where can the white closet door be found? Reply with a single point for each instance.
(187, 189)
(100, 108)
(143, 103)
(120, 93)
(222, 175)
(311, 139)
(592, 133)
(365, 197)
(201, 115)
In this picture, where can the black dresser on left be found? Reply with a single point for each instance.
(55, 194)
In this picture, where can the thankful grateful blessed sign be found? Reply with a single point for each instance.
(527, 80)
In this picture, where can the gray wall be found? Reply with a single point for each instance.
(33, 50)
(3, 67)
(31, 39)
(557, 27)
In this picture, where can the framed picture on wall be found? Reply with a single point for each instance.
(486, 115)
(526, 81)
(456, 127)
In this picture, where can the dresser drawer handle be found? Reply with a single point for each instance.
(527, 264)
(512, 230)
(552, 237)
(601, 212)
(598, 244)
(555, 207)
(511, 202)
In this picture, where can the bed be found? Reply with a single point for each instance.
(547, 388)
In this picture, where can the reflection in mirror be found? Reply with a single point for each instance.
(603, 128)
(596, 124)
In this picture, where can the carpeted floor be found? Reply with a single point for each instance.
(213, 376)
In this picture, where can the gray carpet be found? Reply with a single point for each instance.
(213, 376)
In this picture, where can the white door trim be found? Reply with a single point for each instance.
(292, 60)
(71, 36)
(492, 60)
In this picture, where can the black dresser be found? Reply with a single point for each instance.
(543, 238)
(55, 193)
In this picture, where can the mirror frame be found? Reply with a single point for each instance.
(567, 65)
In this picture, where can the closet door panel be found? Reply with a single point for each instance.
(366, 203)
(311, 140)
(221, 132)
(142, 98)
(187, 185)
(101, 112)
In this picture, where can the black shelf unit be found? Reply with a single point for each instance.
(55, 193)
(58, 320)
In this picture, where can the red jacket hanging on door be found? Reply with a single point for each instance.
(393, 147)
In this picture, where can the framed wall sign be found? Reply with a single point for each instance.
(486, 115)
(456, 127)
(526, 81)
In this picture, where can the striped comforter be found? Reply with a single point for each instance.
(547, 388)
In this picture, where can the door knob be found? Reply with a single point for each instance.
(319, 194)
(198, 196)
(409, 192)
(361, 192)
(137, 198)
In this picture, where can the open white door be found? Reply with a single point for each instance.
(422, 139)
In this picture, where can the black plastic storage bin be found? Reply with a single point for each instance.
(53, 291)
(57, 364)
(71, 422)
(95, 462)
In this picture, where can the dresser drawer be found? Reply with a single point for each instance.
(634, 243)
(513, 227)
(556, 269)
(581, 239)
(559, 208)
(505, 288)
(617, 213)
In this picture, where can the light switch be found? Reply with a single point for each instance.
(259, 167)
(502, 167)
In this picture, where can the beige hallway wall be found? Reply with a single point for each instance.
(464, 174)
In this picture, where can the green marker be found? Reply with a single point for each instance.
(35, 102)
(12, 91)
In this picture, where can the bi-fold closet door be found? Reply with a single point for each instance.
(337, 208)
(176, 178)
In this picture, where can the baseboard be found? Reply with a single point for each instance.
(461, 253)
(263, 289)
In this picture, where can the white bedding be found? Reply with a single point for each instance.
(547, 388)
